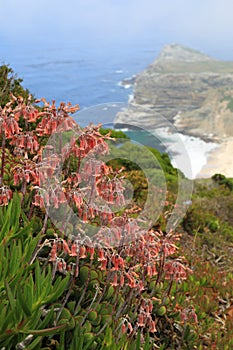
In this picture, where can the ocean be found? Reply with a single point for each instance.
(80, 73)
(91, 76)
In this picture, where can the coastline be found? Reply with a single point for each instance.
(187, 153)
(195, 157)
(219, 161)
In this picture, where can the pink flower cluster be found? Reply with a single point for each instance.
(129, 256)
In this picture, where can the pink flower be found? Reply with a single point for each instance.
(114, 282)
(130, 327)
(60, 266)
(123, 329)
(53, 253)
(91, 250)
(152, 327)
(175, 270)
(122, 280)
(101, 255)
(141, 320)
(141, 286)
(103, 264)
(66, 248)
(73, 250)
(82, 252)
(188, 315)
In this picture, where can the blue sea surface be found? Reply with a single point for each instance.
(90, 74)
(80, 73)
(83, 73)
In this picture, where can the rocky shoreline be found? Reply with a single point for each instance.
(187, 83)
(185, 91)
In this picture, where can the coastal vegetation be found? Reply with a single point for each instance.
(10, 83)
(105, 279)
(229, 100)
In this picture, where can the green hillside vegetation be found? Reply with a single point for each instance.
(211, 66)
(229, 100)
(10, 83)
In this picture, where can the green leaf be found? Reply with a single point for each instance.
(29, 290)
(35, 343)
(186, 332)
(23, 303)
(29, 244)
(59, 290)
(138, 340)
(89, 343)
(8, 323)
(46, 331)
(47, 318)
(15, 211)
(62, 341)
(10, 296)
(24, 217)
(14, 262)
(38, 278)
(108, 336)
(2, 312)
(78, 339)
(147, 343)
(6, 226)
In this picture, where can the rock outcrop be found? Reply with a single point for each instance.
(192, 91)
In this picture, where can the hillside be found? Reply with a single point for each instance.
(122, 282)
(189, 89)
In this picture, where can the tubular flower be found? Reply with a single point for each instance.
(8, 125)
(66, 248)
(5, 195)
(123, 328)
(91, 251)
(38, 201)
(152, 327)
(188, 315)
(114, 282)
(73, 250)
(53, 253)
(175, 270)
(103, 265)
(141, 320)
(82, 252)
(101, 256)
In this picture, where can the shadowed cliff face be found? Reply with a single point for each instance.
(193, 91)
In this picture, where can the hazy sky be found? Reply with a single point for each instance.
(203, 24)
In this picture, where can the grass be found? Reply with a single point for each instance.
(212, 66)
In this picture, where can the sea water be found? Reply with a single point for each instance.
(92, 77)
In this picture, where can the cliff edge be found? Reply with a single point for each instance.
(189, 89)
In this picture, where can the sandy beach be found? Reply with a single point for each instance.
(219, 161)
(187, 153)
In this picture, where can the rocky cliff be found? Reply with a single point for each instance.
(189, 89)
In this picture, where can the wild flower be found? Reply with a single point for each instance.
(5, 195)
(128, 256)
(114, 281)
(175, 270)
(188, 315)
(152, 327)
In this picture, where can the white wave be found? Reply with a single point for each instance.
(187, 153)
(130, 98)
(124, 85)
(122, 129)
